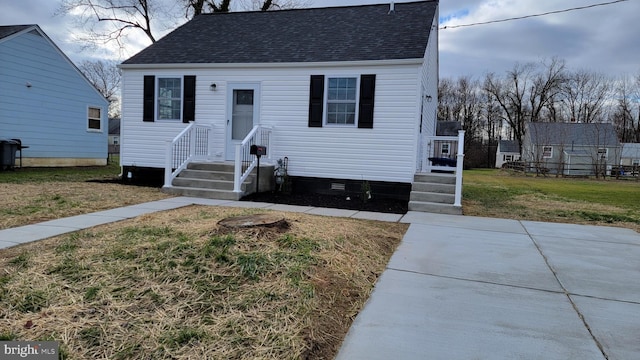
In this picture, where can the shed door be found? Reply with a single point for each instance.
(242, 114)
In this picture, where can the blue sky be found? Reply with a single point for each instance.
(601, 39)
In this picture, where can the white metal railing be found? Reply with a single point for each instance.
(193, 143)
(446, 154)
(244, 161)
(459, 168)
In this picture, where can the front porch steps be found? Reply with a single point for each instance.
(434, 193)
(214, 181)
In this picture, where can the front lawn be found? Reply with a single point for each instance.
(176, 285)
(498, 193)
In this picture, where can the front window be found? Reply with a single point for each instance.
(94, 119)
(507, 158)
(444, 149)
(341, 100)
(547, 152)
(169, 98)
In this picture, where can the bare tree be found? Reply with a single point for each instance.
(198, 7)
(111, 21)
(105, 77)
(584, 96)
(107, 21)
(266, 5)
(626, 113)
(525, 92)
(509, 93)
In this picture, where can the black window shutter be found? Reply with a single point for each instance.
(367, 99)
(316, 100)
(149, 98)
(189, 105)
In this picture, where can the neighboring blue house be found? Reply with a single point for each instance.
(48, 103)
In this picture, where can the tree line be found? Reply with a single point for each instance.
(498, 106)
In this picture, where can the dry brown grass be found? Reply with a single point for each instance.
(177, 285)
(28, 203)
(536, 207)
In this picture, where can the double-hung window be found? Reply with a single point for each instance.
(342, 95)
(547, 152)
(94, 119)
(169, 98)
(342, 101)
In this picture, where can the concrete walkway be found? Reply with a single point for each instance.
(463, 287)
(476, 288)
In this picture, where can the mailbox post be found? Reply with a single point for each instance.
(258, 150)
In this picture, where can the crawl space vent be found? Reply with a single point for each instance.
(337, 186)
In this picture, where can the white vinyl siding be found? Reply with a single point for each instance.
(385, 153)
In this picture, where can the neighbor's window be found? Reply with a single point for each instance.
(507, 157)
(602, 153)
(444, 149)
(169, 98)
(636, 162)
(95, 120)
(547, 151)
(341, 100)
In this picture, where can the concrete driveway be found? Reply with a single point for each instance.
(476, 288)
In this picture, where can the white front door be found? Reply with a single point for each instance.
(242, 113)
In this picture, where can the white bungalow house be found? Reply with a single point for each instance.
(508, 150)
(346, 94)
(47, 103)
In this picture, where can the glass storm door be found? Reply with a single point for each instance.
(243, 115)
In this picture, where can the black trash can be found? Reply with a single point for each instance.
(8, 150)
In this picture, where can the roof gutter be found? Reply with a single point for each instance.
(417, 61)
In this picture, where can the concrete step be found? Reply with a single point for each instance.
(203, 193)
(206, 175)
(215, 181)
(219, 167)
(432, 207)
(209, 184)
(434, 187)
(432, 197)
(435, 178)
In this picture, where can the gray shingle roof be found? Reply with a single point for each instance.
(12, 29)
(571, 133)
(349, 33)
(509, 146)
(448, 128)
